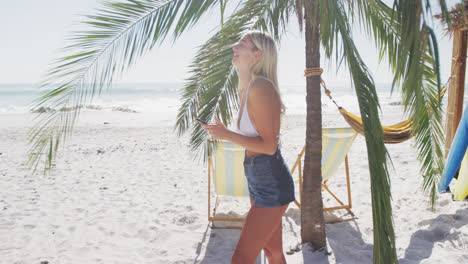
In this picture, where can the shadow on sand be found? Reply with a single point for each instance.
(216, 242)
(439, 230)
(344, 240)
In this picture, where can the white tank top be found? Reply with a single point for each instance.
(245, 124)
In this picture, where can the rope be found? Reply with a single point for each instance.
(317, 72)
(313, 72)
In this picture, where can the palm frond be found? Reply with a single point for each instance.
(417, 70)
(211, 90)
(192, 13)
(298, 7)
(120, 33)
(403, 36)
(277, 17)
(378, 22)
(421, 99)
(384, 237)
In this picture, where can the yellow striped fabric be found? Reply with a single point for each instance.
(229, 178)
(335, 145)
(229, 170)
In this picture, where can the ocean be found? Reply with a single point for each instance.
(163, 97)
(152, 97)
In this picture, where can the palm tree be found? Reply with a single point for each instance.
(124, 30)
(312, 206)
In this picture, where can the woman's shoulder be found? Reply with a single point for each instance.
(261, 86)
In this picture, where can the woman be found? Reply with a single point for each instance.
(270, 183)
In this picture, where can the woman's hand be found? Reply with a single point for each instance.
(217, 131)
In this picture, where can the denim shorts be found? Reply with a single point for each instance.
(269, 179)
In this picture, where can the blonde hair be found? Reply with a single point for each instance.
(266, 66)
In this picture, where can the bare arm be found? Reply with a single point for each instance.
(264, 111)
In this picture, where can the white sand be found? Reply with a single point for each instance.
(130, 192)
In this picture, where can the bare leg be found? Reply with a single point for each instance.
(262, 229)
(274, 248)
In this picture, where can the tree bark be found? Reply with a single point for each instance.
(312, 220)
(456, 87)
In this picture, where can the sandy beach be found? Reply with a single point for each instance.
(126, 189)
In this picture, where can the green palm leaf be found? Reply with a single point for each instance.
(416, 66)
(420, 82)
(419, 77)
(120, 33)
(335, 27)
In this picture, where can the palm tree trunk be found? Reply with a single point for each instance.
(312, 221)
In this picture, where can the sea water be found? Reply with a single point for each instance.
(151, 97)
(166, 98)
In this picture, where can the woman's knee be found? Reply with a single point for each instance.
(274, 256)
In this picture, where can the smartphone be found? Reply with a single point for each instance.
(201, 121)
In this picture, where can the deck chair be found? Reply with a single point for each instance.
(226, 171)
(336, 143)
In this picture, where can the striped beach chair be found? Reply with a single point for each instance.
(336, 143)
(226, 170)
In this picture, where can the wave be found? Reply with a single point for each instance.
(139, 106)
(45, 109)
(124, 109)
(144, 99)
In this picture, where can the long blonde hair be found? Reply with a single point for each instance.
(266, 66)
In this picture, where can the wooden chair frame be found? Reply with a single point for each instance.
(344, 206)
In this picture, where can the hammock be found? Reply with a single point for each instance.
(393, 134)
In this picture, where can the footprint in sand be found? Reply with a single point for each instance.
(106, 231)
(6, 223)
(186, 220)
(144, 234)
(29, 226)
(168, 211)
(443, 203)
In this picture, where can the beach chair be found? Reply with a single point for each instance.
(336, 143)
(226, 171)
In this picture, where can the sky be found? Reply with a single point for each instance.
(33, 31)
